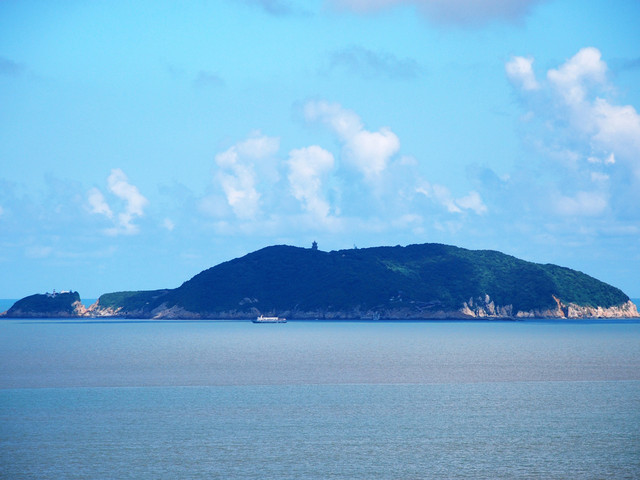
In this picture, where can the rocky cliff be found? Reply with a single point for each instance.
(486, 308)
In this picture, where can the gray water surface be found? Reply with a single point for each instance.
(307, 400)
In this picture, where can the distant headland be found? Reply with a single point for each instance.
(426, 281)
(63, 304)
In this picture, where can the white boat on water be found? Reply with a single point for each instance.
(263, 319)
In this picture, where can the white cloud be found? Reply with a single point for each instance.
(258, 146)
(98, 203)
(573, 77)
(617, 130)
(119, 185)
(371, 151)
(367, 151)
(307, 166)
(441, 194)
(582, 204)
(344, 123)
(239, 188)
(473, 201)
(577, 117)
(449, 12)
(237, 175)
(611, 129)
(134, 203)
(520, 71)
(610, 160)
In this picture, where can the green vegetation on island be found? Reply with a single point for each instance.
(130, 300)
(62, 304)
(416, 281)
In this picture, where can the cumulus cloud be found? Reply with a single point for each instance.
(369, 64)
(307, 166)
(367, 151)
(98, 203)
(520, 71)
(371, 151)
(573, 77)
(367, 187)
(473, 202)
(617, 129)
(237, 173)
(581, 88)
(576, 115)
(449, 12)
(134, 203)
(239, 188)
(441, 195)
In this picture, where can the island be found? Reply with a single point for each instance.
(63, 304)
(425, 281)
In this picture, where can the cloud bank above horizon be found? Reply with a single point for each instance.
(231, 125)
(579, 127)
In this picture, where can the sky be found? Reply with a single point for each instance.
(143, 142)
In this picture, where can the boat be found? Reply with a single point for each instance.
(263, 319)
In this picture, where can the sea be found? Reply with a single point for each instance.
(141, 399)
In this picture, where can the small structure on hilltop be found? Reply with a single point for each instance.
(54, 294)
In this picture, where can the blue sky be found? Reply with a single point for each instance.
(142, 142)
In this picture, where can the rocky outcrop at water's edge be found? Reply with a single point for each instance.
(480, 309)
(485, 308)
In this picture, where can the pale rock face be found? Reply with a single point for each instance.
(571, 310)
(80, 310)
(480, 308)
(626, 310)
(486, 308)
(97, 310)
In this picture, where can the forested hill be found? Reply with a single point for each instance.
(417, 281)
(64, 304)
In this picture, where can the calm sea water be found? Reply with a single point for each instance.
(303, 400)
